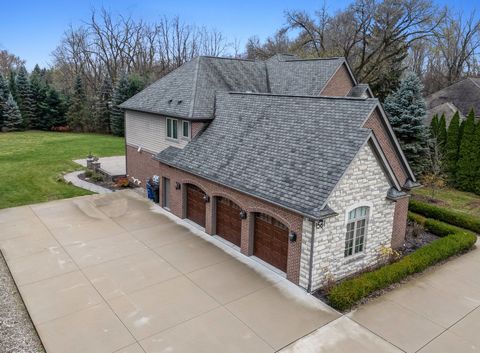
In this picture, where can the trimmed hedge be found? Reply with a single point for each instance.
(345, 294)
(446, 215)
(438, 228)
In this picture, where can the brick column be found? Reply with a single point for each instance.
(246, 247)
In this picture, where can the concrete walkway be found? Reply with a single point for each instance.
(113, 166)
(438, 312)
(75, 180)
(110, 273)
(114, 273)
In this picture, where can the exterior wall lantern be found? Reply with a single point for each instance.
(292, 236)
(206, 198)
(178, 186)
(243, 214)
(320, 224)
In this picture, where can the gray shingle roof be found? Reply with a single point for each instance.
(464, 95)
(288, 150)
(189, 91)
(300, 77)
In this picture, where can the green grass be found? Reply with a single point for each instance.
(465, 202)
(31, 163)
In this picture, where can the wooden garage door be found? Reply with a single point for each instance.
(270, 241)
(229, 224)
(195, 205)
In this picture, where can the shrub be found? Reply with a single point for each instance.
(88, 173)
(345, 294)
(446, 215)
(415, 217)
(97, 177)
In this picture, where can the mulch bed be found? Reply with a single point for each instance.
(106, 184)
(430, 200)
(17, 333)
(415, 238)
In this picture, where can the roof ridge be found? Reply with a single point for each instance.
(473, 81)
(297, 95)
(194, 89)
(225, 58)
(316, 59)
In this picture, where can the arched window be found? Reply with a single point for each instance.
(356, 230)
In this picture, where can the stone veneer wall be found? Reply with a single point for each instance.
(364, 184)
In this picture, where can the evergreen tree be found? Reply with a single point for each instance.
(467, 156)
(120, 95)
(4, 92)
(103, 107)
(406, 110)
(24, 98)
(12, 85)
(476, 167)
(39, 95)
(12, 117)
(77, 116)
(452, 147)
(434, 126)
(442, 133)
(55, 110)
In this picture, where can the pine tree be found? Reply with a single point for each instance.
(121, 94)
(103, 107)
(24, 98)
(442, 133)
(434, 126)
(452, 147)
(38, 87)
(12, 117)
(55, 110)
(467, 156)
(77, 115)
(4, 92)
(12, 85)
(406, 110)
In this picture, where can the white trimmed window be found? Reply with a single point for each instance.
(356, 230)
(186, 129)
(172, 128)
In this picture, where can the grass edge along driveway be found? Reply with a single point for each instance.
(32, 163)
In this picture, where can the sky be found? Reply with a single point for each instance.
(32, 29)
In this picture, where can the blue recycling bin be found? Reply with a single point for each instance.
(149, 190)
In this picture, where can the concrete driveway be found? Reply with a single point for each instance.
(105, 273)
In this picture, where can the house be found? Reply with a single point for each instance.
(290, 161)
(462, 96)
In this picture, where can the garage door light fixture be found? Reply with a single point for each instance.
(178, 186)
(243, 214)
(206, 198)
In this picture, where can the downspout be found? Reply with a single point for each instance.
(310, 267)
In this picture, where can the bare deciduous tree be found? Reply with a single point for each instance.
(9, 62)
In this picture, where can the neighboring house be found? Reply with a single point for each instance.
(288, 160)
(461, 96)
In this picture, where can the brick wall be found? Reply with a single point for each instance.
(249, 204)
(196, 127)
(400, 223)
(140, 165)
(374, 122)
(340, 84)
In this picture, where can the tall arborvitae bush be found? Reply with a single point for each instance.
(467, 156)
(452, 148)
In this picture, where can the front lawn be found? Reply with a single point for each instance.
(454, 199)
(31, 163)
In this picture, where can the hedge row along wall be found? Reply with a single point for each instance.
(454, 241)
